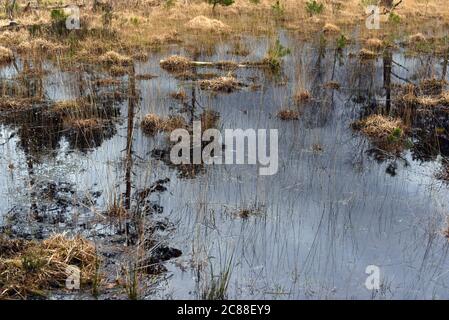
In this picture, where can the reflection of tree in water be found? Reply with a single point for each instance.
(40, 129)
(428, 126)
(194, 112)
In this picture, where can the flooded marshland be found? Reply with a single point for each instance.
(338, 203)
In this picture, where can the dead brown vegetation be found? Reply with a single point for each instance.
(152, 123)
(221, 84)
(30, 268)
(288, 114)
(6, 55)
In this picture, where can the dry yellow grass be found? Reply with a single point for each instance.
(31, 267)
(445, 98)
(417, 38)
(152, 123)
(13, 38)
(366, 54)
(332, 85)
(331, 29)
(205, 24)
(221, 84)
(374, 44)
(6, 55)
(114, 58)
(14, 103)
(40, 45)
(70, 106)
(302, 96)
(379, 126)
(179, 95)
(176, 63)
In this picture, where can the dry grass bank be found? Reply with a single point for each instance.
(133, 27)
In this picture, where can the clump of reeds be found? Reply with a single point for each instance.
(431, 86)
(30, 268)
(176, 63)
(365, 54)
(118, 71)
(288, 114)
(70, 107)
(179, 95)
(18, 103)
(205, 24)
(331, 29)
(6, 55)
(221, 84)
(417, 38)
(378, 126)
(152, 123)
(39, 45)
(13, 38)
(374, 44)
(387, 132)
(302, 96)
(113, 58)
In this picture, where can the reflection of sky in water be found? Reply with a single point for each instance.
(326, 216)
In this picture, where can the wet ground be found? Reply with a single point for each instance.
(309, 231)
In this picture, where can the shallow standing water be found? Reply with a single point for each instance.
(325, 216)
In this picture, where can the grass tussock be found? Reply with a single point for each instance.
(387, 132)
(152, 123)
(429, 93)
(69, 107)
(417, 38)
(39, 46)
(332, 85)
(288, 114)
(176, 64)
(431, 86)
(331, 29)
(113, 58)
(118, 71)
(18, 104)
(6, 55)
(205, 24)
(180, 95)
(374, 44)
(13, 38)
(302, 96)
(366, 54)
(30, 268)
(221, 84)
